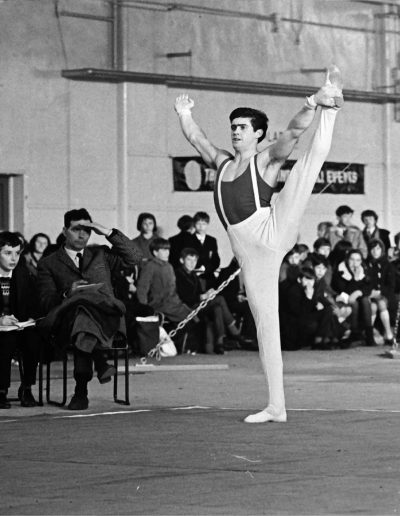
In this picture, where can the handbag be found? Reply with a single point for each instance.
(167, 346)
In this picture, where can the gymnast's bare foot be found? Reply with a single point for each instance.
(269, 414)
(330, 95)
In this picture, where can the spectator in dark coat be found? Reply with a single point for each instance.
(307, 317)
(18, 303)
(371, 231)
(383, 282)
(182, 240)
(156, 285)
(207, 248)
(191, 291)
(147, 226)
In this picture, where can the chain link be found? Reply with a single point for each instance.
(156, 350)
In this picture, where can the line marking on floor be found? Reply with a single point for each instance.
(199, 407)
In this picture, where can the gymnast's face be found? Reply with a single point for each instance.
(242, 133)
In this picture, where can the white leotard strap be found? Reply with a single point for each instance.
(219, 192)
(254, 181)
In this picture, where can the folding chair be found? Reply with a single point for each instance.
(119, 350)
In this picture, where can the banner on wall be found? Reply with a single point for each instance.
(191, 174)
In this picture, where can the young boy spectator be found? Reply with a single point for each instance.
(207, 248)
(181, 240)
(190, 290)
(156, 285)
(18, 303)
(345, 230)
(371, 230)
(321, 248)
(307, 318)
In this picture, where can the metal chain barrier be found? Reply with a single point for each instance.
(156, 350)
(396, 327)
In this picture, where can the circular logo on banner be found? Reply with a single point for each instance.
(193, 175)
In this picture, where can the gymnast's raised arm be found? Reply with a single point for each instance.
(195, 135)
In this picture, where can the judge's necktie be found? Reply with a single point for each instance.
(80, 260)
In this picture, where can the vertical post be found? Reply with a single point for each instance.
(386, 78)
(120, 33)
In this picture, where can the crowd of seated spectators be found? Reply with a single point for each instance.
(342, 292)
(346, 291)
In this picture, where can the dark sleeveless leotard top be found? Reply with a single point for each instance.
(238, 196)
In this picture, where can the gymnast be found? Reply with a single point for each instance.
(261, 234)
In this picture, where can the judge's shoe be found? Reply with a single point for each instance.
(78, 403)
(26, 397)
(4, 403)
(105, 373)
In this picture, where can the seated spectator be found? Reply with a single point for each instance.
(181, 240)
(207, 248)
(147, 226)
(51, 248)
(339, 253)
(235, 297)
(323, 229)
(383, 282)
(306, 318)
(290, 268)
(340, 330)
(77, 297)
(156, 285)
(36, 248)
(394, 252)
(371, 230)
(18, 303)
(191, 291)
(344, 230)
(303, 251)
(353, 285)
(321, 247)
(125, 290)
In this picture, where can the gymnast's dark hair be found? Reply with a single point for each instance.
(258, 119)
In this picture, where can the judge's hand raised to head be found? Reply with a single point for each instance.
(98, 228)
(183, 103)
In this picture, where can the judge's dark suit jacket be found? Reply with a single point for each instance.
(57, 272)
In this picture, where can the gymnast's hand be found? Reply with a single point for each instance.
(183, 104)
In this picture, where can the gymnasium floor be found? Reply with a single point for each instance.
(181, 446)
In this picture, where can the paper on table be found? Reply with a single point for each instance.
(18, 325)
